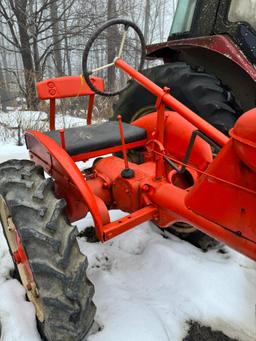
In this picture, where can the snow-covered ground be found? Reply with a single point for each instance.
(147, 287)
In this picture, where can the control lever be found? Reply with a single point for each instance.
(126, 172)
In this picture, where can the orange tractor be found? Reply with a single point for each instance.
(190, 173)
(209, 65)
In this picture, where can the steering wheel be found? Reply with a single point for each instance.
(86, 73)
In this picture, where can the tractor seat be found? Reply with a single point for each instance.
(85, 139)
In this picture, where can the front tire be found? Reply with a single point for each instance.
(58, 266)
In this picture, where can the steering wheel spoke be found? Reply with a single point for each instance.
(102, 67)
(122, 42)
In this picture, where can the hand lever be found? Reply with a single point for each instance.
(126, 172)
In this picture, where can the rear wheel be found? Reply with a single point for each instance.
(201, 92)
(66, 310)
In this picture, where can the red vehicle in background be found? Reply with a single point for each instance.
(210, 57)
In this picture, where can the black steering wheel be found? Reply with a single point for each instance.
(87, 73)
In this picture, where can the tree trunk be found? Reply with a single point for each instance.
(66, 42)
(26, 55)
(5, 79)
(37, 65)
(3, 92)
(111, 44)
(146, 23)
(56, 38)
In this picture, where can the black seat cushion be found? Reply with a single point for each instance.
(85, 139)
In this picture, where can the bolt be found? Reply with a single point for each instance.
(29, 286)
(52, 92)
(145, 188)
(51, 85)
(11, 226)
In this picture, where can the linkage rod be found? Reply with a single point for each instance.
(173, 103)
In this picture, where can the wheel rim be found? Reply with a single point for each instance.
(20, 258)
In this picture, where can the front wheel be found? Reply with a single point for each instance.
(64, 306)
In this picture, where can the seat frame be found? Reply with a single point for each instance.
(64, 87)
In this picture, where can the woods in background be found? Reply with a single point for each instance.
(45, 38)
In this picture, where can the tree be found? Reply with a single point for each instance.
(29, 24)
(3, 90)
(45, 38)
(20, 41)
(56, 38)
(112, 37)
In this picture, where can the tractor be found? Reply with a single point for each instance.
(190, 172)
(209, 65)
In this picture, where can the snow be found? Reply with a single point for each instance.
(35, 120)
(9, 151)
(158, 284)
(146, 286)
(17, 315)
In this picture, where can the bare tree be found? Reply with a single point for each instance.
(29, 24)
(147, 19)
(66, 41)
(45, 38)
(20, 40)
(111, 41)
(56, 38)
(3, 90)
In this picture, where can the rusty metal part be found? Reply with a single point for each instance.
(20, 258)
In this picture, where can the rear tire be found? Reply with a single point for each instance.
(58, 266)
(201, 92)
